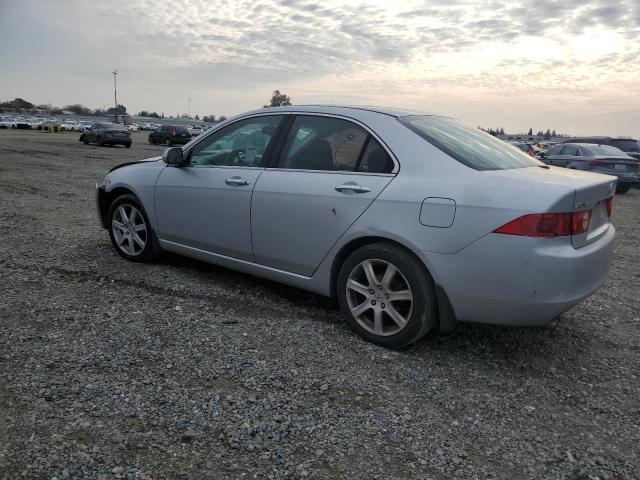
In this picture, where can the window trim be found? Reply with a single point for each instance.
(273, 165)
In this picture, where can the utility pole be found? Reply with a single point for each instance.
(115, 92)
(189, 99)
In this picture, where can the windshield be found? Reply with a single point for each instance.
(470, 146)
(605, 150)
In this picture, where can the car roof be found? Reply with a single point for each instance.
(346, 110)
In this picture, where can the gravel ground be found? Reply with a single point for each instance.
(179, 369)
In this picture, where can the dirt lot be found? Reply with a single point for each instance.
(178, 369)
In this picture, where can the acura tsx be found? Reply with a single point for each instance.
(412, 221)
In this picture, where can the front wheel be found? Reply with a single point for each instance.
(99, 141)
(167, 142)
(130, 231)
(387, 295)
(85, 140)
(128, 145)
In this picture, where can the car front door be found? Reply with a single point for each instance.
(552, 155)
(207, 204)
(569, 155)
(328, 171)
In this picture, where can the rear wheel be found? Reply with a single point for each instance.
(128, 145)
(100, 142)
(622, 189)
(167, 142)
(151, 142)
(387, 295)
(130, 231)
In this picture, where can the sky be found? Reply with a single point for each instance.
(568, 65)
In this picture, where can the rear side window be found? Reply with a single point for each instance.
(375, 159)
(182, 130)
(571, 150)
(323, 143)
(469, 146)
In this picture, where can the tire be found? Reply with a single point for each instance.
(419, 313)
(85, 140)
(151, 142)
(128, 145)
(100, 142)
(167, 142)
(129, 248)
(622, 189)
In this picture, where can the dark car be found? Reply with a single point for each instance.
(596, 158)
(629, 146)
(106, 134)
(170, 135)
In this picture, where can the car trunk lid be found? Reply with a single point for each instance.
(585, 191)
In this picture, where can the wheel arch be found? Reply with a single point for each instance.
(110, 197)
(446, 318)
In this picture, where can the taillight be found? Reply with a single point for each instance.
(173, 131)
(610, 206)
(598, 163)
(580, 222)
(548, 224)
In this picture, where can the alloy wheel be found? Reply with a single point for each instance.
(379, 297)
(129, 229)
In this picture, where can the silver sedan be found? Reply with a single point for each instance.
(413, 222)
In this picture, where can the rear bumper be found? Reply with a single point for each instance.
(508, 280)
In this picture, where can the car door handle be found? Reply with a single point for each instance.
(353, 187)
(236, 181)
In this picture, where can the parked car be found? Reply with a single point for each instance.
(411, 221)
(104, 133)
(629, 146)
(596, 158)
(170, 135)
(194, 130)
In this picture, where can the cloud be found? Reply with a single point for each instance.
(545, 51)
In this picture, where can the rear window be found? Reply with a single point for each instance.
(470, 146)
(604, 150)
(182, 130)
(626, 145)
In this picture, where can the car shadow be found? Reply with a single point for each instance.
(535, 344)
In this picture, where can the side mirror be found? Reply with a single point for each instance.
(173, 156)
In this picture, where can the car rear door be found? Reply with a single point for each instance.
(328, 171)
(207, 204)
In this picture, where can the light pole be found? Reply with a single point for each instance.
(189, 99)
(115, 92)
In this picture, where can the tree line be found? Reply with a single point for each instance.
(549, 134)
(19, 104)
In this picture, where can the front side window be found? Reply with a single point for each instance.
(241, 144)
(469, 146)
(555, 150)
(323, 143)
